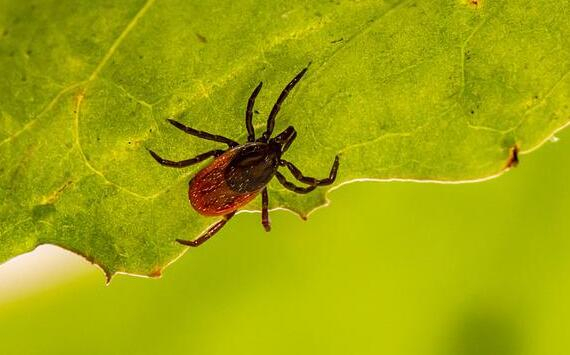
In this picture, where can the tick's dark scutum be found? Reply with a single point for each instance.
(252, 167)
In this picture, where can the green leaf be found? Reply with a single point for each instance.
(414, 90)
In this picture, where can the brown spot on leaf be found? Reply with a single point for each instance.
(156, 273)
(475, 3)
(513, 160)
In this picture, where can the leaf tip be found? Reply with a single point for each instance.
(108, 277)
(156, 273)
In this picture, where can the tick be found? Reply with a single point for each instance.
(240, 172)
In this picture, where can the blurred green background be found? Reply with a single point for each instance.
(388, 268)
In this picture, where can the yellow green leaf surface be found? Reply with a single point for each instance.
(413, 90)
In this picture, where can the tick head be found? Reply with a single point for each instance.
(285, 138)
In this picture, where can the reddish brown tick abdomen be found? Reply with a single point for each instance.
(209, 192)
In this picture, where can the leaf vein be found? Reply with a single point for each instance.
(549, 93)
(462, 50)
(120, 39)
(46, 109)
(362, 30)
(81, 96)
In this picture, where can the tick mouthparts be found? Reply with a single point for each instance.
(285, 138)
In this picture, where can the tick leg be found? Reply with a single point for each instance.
(249, 114)
(203, 135)
(187, 162)
(209, 233)
(277, 106)
(290, 186)
(310, 180)
(264, 210)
